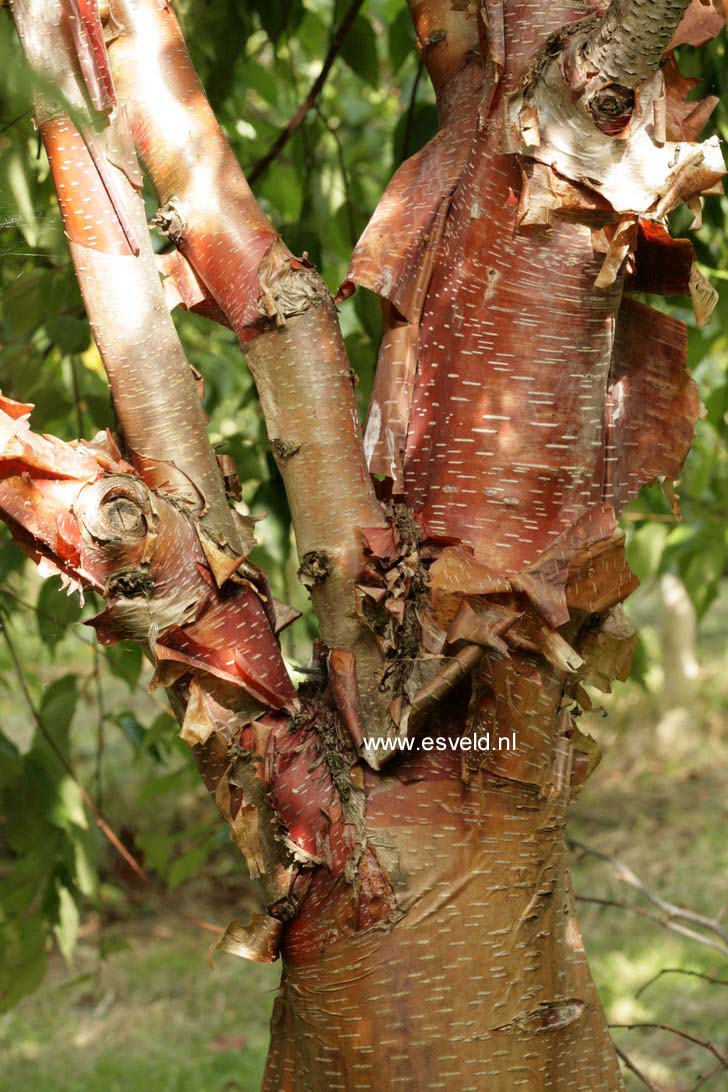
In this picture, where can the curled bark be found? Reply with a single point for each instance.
(510, 420)
(153, 535)
(98, 183)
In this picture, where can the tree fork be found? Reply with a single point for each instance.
(628, 43)
(149, 548)
(430, 939)
(277, 305)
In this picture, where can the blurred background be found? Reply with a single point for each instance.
(104, 981)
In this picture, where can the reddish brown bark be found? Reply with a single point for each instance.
(421, 901)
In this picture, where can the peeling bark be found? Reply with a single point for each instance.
(277, 305)
(421, 899)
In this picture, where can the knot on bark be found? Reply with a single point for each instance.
(169, 221)
(315, 567)
(611, 108)
(284, 449)
(288, 285)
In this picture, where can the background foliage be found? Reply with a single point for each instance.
(257, 59)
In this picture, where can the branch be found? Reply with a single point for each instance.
(638, 1072)
(702, 1081)
(152, 385)
(337, 40)
(162, 545)
(666, 923)
(680, 970)
(279, 308)
(722, 1058)
(624, 873)
(627, 46)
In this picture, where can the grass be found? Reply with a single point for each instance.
(150, 1015)
(149, 1012)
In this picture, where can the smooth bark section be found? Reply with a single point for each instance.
(151, 382)
(274, 302)
(628, 44)
(481, 982)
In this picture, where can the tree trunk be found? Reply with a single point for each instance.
(405, 810)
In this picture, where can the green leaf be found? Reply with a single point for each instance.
(66, 927)
(23, 965)
(645, 547)
(703, 569)
(11, 764)
(140, 738)
(278, 15)
(360, 51)
(84, 868)
(186, 866)
(11, 558)
(70, 334)
(177, 781)
(125, 662)
(56, 712)
(717, 409)
(413, 132)
(57, 610)
(640, 664)
(66, 807)
(157, 848)
(26, 813)
(401, 39)
(163, 731)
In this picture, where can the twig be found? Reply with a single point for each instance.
(90, 642)
(410, 111)
(100, 726)
(707, 1077)
(681, 970)
(638, 1072)
(683, 1035)
(337, 40)
(624, 873)
(344, 174)
(9, 124)
(98, 818)
(665, 922)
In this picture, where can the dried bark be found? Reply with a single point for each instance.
(421, 901)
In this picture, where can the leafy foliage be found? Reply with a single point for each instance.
(257, 59)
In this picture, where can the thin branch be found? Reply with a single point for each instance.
(100, 728)
(666, 923)
(10, 124)
(337, 40)
(680, 970)
(411, 109)
(98, 818)
(348, 200)
(624, 873)
(705, 1043)
(638, 1072)
(707, 1077)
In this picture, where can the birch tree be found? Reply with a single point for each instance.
(403, 811)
